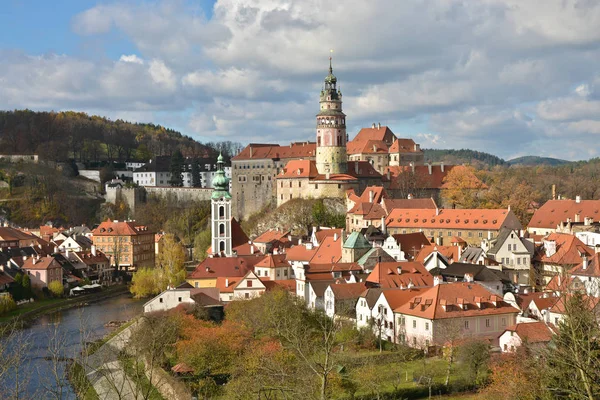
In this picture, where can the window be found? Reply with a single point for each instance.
(449, 233)
(509, 247)
(160, 300)
(248, 283)
(414, 323)
(518, 261)
(426, 326)
(505, 347)
(299, 184)
(316, 186)
(480, 234)
(487, 323)
(247, 295)
(459, 234)
(466, 324)
(179, 299)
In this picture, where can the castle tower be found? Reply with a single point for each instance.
(331, 129)
(221, 212)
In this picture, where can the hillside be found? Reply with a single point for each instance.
(536, 160)
(58, 136)
(462, 156)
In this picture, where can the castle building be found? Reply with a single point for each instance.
(221, 213)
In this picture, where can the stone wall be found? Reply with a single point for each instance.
(302, 188)
(92, 174)
(181, 193)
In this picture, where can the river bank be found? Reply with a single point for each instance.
(30, 311)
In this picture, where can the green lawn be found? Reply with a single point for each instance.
(27, 307)
(80, 382)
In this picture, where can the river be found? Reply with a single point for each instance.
(62, 331)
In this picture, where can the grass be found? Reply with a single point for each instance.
(27, 307)
(83, 387)
(135, 371)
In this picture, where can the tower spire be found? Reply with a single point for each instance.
(330, 67)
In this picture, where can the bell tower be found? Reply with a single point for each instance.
(221, 213)
(331, 129)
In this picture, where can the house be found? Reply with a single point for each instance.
(372, 257)
(514, 254)
(274, 267)
(588, 272)
(11, 237)
(462, 309)
(43, 270)
(271, 239)
(355, 246)
(405, 274)
(329, 251)
(375, 236)
(557, 312)
(126, 243)
(319, 234)
(324, 272)
(240, 288)
(548, 217)
(492, 280)
(212, 268)
(533, 333)
(405, 246)
(560, 252)
(538, 304)
(472, 225)
(315, 298)
(365, 304)
(340, 299)
(174, 297)
(97, 265)
(75, 243)
(6, 281)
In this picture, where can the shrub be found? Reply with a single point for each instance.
(7, 304)
(56, 288)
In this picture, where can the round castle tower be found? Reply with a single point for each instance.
(331, 129)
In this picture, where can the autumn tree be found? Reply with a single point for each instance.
(171, 261)
(462, 188)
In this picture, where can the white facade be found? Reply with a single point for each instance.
(392, 247)
(509, 341)
(591, 239)
(70, 244)
(383, 318)
(221, 226)
(363, 313)
(162, 178)
(169, 299)
(515, 258)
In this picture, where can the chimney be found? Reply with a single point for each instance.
(576, 217)
(383, 227)
(371, 196)
(553, 192)
(250, 151)
(335, 237)
(389, 175)
(226, 282)
(584, 263)
(252, 249)
(442, 166)
(429, 167)
(373, 126)
(67, 254)
(410, 196)
(438, 279)
(577, 200)
(94, 250)
(378, 125)
(468, 277)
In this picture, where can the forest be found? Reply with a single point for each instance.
(62, 136)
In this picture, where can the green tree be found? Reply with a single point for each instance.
(26, 284)
(56, 288)
(176, 169)
(171, 261)
(196, 181)
(143, 283)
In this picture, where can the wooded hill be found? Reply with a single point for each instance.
(462, 156)
(536, 160)
(59, 136)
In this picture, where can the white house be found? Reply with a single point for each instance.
(392, 247)
(173, 297)
(239, 288)
(513, 253)
(273, 267)
(340, 299)
(588, 272)
(533, 333)
(382, 314)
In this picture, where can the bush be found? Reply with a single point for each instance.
(56, 288)
(7, 304)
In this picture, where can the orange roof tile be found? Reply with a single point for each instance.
(426, 180)
(347, 291)
(366, 147)
(404, 146)
(386, 275)
(454, 300)
(325, 233)
(273, 261)
(390, 204)
(118, 228)
(226, 284)
(271, 235)
(483, 219)
(299, 169)
(213, 267)
(592, 268)
(532, 332)
(450, 252)
(398, 297)
(47, 262)
(568, 250)
(382, 133)
(275, 151)
(329, 251)
(300, 253)
(553, 212)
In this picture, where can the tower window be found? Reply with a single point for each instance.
(221, 229)
(221, 246)
(221, 211)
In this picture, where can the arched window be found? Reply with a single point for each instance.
(221, 229)
(221, 211)
(221, 246)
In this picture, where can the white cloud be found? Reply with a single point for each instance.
(162, 75)
(131, 59)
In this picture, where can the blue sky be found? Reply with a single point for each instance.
(504, 76)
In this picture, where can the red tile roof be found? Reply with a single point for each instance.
(568, 250)
(398, 297)
(404, 146)
(553, 212)
(367, 147)
(532, 332)
(275, 151)
(329, 251)
(120, 228)
(47, 262)
(271, 235)
(390, 204)
(456, 300)
(325, 233)
(299, 169)
(382, 133)
(385, 274)
(411, 243)
(273, 261)
(213, 267)
(300, 253)
(89, 259)
(482, 219)
(347, 291)
(226, 284)
(592, 268)
(363, 169)
(450, 252)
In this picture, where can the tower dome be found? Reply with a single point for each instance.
(220, 183)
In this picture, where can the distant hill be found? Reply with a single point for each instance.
(535, 160)
(463, 156)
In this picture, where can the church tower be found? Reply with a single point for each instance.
(331, 129)
(221, 212)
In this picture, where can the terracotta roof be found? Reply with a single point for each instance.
(483, 219)
(377, 192)
(553, 212)
(329, 251)
(272, 261)
(120, 228)
(366, 147)
(425, 180)
(569, 250)
(41, 263)
(363, 169)
(226, 284)
(532, 332)
(449, 252)
(386, 275)
(390, 204)
(238, 236)
(543, 302)
(88, 258)
(286, 284)
(325, 233)
(300, 253)
(382, 133)
(299, 169)
(275, 151)
(411, 243)
(347, 291)
(370, 211)
(404, 146)
(398, 297)
(12, 234)
(456, 300)
(333, 267)
(592, 268)
(559, 306)
(213, 267)
(271, 235)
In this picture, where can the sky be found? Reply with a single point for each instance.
(508, 77)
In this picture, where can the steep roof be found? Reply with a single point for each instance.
(299, 169)
(11, 234)
(357, 241)
(319, 287)
(272, 261)
(532, 332)
(398, 297)
(300, 253)
(404, 146)
(371, 295)
(456, 300)
(449, 252)
(41, 263)
(329, 251)
(471, 254)
(373, 256)
(271, 235)
(381, 133)
(569, 250)
(591, 269)
(347, 291)
(120, 228)
(411, 243)
(213, 267)
(325, 233)
(274, 151)
(484, 219)
(387, 275)
(367, 147)
(553, 212)
(362, 169)
(480, 273)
